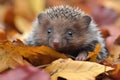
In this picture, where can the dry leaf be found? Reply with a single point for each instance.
(117, 41)
(115, 73)
(3, 35)
(25, 73)
(40, 55)
(115, 52)
(104, 76)
(105, 33)
(93, 55)
(15, 54)
(112, 74)
(75, 70)
(9, 57)
(114, 49)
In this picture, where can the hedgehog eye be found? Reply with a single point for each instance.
(49, 30)
(69, 33)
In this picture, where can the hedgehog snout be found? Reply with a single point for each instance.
(57, 42)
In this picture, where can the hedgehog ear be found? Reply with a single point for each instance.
(42, 18)
(86, 19)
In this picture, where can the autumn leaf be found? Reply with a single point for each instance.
(3, 35)
(115, 73)
(92, 56)
(75, 70)
(105, 33)
(114, 50)
(9, 58)
(25, 72)
(40, 55)
(16, 54)
(104, 76)
(112, 74)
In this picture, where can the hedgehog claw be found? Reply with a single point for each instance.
(82, 56)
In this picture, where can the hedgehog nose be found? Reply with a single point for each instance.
(56, 44)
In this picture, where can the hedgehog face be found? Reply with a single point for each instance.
(62, 28)
(63, 33)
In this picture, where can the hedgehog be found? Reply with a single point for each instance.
(67, 30)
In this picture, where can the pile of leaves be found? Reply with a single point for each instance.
(21, 62)
(15, 54)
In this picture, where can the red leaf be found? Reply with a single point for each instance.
(25, 73)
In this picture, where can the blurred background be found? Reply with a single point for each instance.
(16, 16)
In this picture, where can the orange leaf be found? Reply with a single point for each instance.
(3, 35)
(116, 73)
(16, 53)
(9, 58)
(93, 55)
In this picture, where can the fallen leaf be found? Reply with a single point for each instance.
(16, 54)
(105, 33)
(115, 73)
(104, 76)
(3, 35)
(117, 41)
(116, 54)
(92, 56)
(111, 74)
(25, 73)
(40, 55)
(114, 50)
(75, 70)
(9, 57)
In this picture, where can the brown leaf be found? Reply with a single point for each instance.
(40, 55)
(16, 53)
(75, 70)
(9, 58)
(103, 76)
(3, 35)
(114, 49)
(115, 73)
(105, 33)
(117, 41)
(112, 74)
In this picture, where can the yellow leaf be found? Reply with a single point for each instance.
(93, 55)
(75, 70)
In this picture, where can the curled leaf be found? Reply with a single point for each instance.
(75, 70)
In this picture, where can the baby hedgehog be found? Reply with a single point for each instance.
(67, 30)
